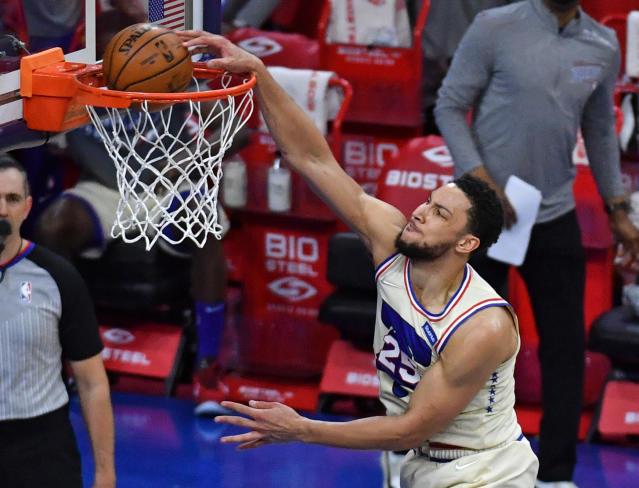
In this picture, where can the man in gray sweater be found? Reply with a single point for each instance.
(533, 73)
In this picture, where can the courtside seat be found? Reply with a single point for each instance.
(143, 305)
(351, 307)
(128, 278)
(349, 263)
(615, 333)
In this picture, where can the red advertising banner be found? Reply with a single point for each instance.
(287, 271)
(350, 371)
(285, 283)
(620, 409)
(301, 395)
(148, 349)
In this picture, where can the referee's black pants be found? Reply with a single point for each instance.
(554, 273)
(40, 452)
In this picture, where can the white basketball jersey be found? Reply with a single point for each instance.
(409, 339)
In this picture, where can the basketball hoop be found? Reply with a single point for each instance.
(170, 189)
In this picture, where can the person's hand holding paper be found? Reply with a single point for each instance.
(513, 243)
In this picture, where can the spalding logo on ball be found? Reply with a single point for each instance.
(147, 58)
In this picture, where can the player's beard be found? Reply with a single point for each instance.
(422, 252)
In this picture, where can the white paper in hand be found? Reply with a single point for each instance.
(513, 243)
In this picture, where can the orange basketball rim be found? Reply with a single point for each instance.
(56, 92)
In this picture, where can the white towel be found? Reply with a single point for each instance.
(369, 22)
(311, 91)
(632, 45)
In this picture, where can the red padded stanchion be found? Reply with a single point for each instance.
(419, 167)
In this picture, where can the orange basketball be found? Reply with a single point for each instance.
(147, 58)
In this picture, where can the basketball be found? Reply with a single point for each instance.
(147, 58)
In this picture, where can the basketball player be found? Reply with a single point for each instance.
(445, 342)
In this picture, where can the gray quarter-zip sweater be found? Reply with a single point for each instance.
(531, 86)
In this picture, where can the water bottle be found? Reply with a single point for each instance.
(234, 184)
(278, 192)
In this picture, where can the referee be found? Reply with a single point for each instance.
(46, 316)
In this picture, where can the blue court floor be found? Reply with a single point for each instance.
(160, 443)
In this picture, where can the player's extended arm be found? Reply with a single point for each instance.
(475, 350)
(93, 390)
(305, 148)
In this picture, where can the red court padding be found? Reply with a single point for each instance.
(278, 331)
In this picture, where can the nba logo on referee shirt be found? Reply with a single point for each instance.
(25, 292)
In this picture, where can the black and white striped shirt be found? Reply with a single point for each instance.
(46, 315)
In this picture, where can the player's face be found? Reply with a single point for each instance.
(562, 5)
(435, 226)
(14, 203)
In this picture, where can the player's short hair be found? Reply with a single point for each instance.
(8, 162)
(486, 215)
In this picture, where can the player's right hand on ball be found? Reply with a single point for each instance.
(230, 57)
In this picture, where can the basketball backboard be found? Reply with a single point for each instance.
(80, 44)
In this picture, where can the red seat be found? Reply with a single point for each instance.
(298, 16)
(386, 80)
(278, 48)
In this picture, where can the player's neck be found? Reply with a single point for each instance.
(563, 16)
(435, 282)
(12, 247)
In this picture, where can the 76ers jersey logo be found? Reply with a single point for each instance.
(25, 292)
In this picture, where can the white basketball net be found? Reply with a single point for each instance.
(169, 190)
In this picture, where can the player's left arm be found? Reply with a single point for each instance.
(93, 390)
(598, 128)
(472, 354)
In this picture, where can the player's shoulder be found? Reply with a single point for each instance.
(497, 17)
(490, 325)
(596, 31)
